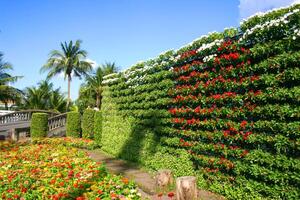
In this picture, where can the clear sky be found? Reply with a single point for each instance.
(121, 31)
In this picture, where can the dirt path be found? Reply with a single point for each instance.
(143, 179)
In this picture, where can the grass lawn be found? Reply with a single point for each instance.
(55, 169)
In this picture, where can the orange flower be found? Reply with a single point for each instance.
(100, 192)
(113, 195)
(125, 180)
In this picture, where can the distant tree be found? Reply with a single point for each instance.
(70, 61)
(108, 68)
(7, 92)
(90, 93)
(43, 97)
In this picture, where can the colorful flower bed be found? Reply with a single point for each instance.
(50, 169)
(69, 142)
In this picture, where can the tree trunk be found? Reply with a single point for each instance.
(186, 188)
(98, 101)
(6, 105)
(69, 91)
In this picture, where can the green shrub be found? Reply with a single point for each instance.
(39, 125)
(179, 161)
(98, 127)
(73, 124)
(87, 124)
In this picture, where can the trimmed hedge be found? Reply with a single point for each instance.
(73, 128)
(98, 127)
(39, 125)
(87, 123)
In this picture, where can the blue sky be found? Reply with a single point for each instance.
(121, 31)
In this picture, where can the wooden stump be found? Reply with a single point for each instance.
(164, 178)
(186, 188)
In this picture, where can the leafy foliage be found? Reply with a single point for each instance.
(73, 123)
(39, 125)
(70, 61)
(87, 124)
(90, 93)
(228, 107)
(43, 97)
(98, 127)
(7, 92)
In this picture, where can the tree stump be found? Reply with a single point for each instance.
(186, 188)
(164, 178)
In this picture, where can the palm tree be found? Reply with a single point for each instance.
(7, 92)
(44, 97)
(93, 86)
(109, 68)
(70, 61)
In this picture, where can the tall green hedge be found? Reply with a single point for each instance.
(39, 125)
(73, 128)
(87, 123)
(98, 127)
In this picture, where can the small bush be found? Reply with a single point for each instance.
(39, 125)
(98, 127)
(87, 124)
(73, 124)
(176, 160)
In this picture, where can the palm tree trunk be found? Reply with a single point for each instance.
(69, 91)
(98, 101)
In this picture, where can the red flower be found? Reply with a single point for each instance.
(197, 109)
(243, 123)
(71, 173)
(226, 133)
(171, 195)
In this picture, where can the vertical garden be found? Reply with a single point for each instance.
(224, 108)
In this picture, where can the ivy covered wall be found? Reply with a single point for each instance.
(224, 108)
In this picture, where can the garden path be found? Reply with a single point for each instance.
(143, 179)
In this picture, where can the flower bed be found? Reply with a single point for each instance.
(69, 142)
(52, 169)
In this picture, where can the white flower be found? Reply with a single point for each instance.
(133, 191)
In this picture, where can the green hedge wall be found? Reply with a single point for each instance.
(87, 124)
(73, 128)
(225, 107)
(39, 125)
(98, 127)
